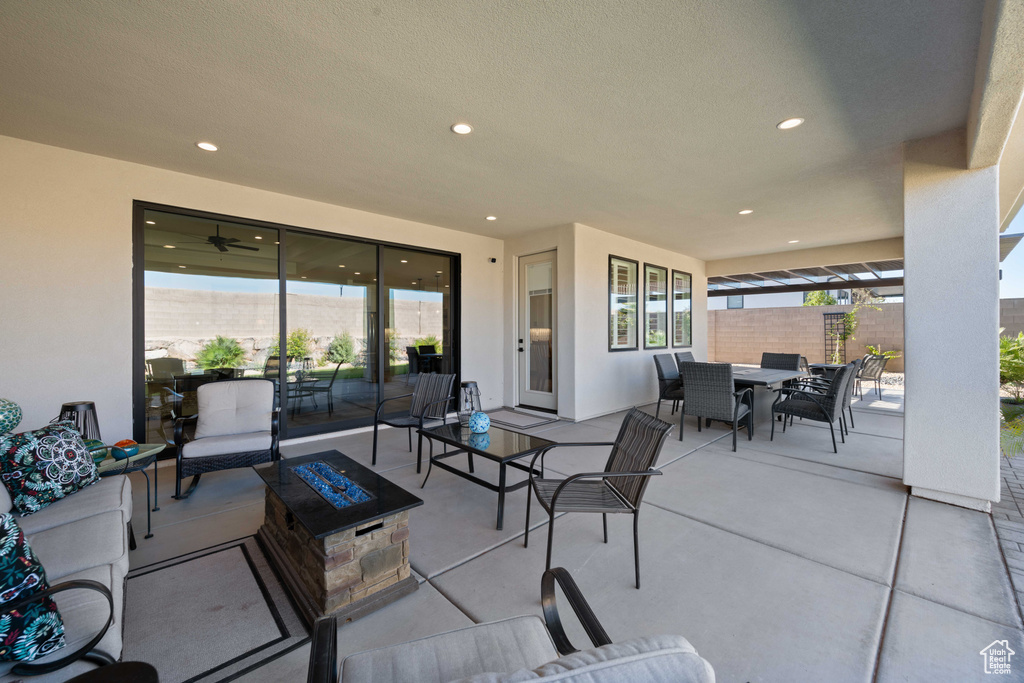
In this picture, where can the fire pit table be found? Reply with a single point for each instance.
(338, 533)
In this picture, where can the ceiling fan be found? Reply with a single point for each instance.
(222, 243)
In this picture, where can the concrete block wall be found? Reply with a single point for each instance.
(742, 335)
(1011, 316)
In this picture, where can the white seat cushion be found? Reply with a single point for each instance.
(234, 407)
(84, 544)
(223, 445)
(109, 493)
(509, 645)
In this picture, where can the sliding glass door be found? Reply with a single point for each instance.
(361, 321)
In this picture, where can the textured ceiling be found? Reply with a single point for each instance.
(654, 120)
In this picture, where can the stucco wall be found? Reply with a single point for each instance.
(742, 335)
(67, 297)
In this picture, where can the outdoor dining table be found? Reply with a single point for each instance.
(763, 382)
(827, 369)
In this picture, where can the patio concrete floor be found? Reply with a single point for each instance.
(780, 562)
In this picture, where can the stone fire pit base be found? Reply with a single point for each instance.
(347, 574)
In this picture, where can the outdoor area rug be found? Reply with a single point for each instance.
(510, 418)
(211, 615)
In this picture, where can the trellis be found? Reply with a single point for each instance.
(835, 336)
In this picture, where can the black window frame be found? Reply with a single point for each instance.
(609, 293)
(672, 309)
(646, 296)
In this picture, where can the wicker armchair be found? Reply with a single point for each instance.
(236, 426)
(669, 386)
(711, 395)
(821, 384)
(619, 488)
(684, 357)
(871, 371)
(819, 406)
(780, 361)
(428, 407)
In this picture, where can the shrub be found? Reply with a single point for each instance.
(430, 340)
(342, 349)
(819, 298)
(222, 352)
(877, 351)
(1011, 365)
(299, 344)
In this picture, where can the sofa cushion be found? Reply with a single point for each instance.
(509, 645)
(35, 630)
(652, 659)
(84, 613)
(109, 493)
(222, 445)
(45, 465)
(91, 542)
(234, 407)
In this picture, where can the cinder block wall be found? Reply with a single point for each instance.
(1011, 316)
(742, 335)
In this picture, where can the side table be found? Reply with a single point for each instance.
(137, 463)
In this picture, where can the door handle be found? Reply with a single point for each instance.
(520, 349)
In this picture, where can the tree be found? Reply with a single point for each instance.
(222, 352)
(342, 349)
(299, 344)
(819, 298)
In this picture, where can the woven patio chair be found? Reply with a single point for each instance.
(236, 426)
(711, 395)
(684, 357)
(780, 361)
(428, 408)
(669, 386)
(618, 489)
(871, 371)
(815, 405)
(821, 384)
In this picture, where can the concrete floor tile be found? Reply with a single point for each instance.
(951, 556)
(812, 467)
(873, 423)
(863, 452)
(783, 508)
(755, 612)
(928, 642)
(217, 492)
(194, 534)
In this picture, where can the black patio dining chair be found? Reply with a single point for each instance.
(619, 488)
(684, 357)
(711, 395)
(429, 363)
(669, 386)
(414, 362)
(815, 405)
(780, 361)
(871, 371)
(429, 407)
(326, 389)
(821, 384)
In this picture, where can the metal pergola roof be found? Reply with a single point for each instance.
(867, 274)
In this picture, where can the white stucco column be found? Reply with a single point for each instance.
(951, 309)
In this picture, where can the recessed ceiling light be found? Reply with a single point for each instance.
(150, 222)
(414, 283)
(258, 237)
(374, 279)
(169, 246)
(181, 266)
(341, 265)
(208, 146)
(793, 241)
(745, 212)
(462, 128)
(404, 261)
(789, 123)
(277, 243)
(446, 285)
(357, 273)
(492, 218)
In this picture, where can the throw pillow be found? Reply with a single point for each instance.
(45, 465)
(35, 630)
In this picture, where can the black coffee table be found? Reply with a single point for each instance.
(500, 445)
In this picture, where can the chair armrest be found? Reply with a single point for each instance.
(179, 429)
(323, 652)
(598, 475)
(380, 404)
(579, 605)
(809, 396)
(426, 409)
(275, 422)
(82, 584)
(553, 446)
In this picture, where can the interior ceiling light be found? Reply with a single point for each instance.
(169, 246)
(404, 261)
(150, 222)
(303, 277)
(258, 237)
(462, 128)
(277, 243)
(439, 272)
(208, 146)
(492, 218)
(181, 266)
(341, 265)
(746, 212)
(357, 273)
(793, 241)
(789, 123)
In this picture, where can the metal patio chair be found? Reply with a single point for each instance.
(619, 488)
(428, 407)
(326, 389)
(815, 405)
(871, 371)
(670, 388)
(711, 395)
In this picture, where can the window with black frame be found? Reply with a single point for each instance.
(655, 307)
(622, 304)
(682, 295)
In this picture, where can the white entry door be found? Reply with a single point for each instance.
(536, 333)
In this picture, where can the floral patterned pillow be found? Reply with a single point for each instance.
(34, 630)
(46, 465)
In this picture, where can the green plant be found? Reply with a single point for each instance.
(429, 340)
(656, 338)
(850, 325)
(342, 349)
(1011, 430)
(222, 352)
(395, 350)
(299, 344)
(819, 298)
(877, 351)
(1011, 365)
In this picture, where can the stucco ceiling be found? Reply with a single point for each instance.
(654, 120)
